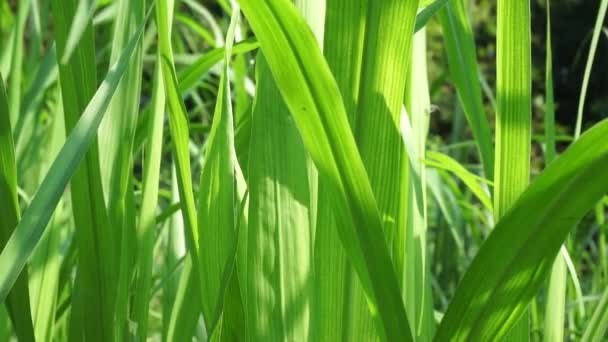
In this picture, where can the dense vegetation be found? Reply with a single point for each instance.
(307, 170)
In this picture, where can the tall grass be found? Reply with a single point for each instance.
(266, 170)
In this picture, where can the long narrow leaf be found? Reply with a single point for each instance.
(18, 302)
(514, 261)
(315, 103)
(601, 15)
(463, 66)
(29, 231)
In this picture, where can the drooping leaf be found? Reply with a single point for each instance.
(514, 261)
(314, 100)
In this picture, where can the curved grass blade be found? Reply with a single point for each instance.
(314, 100)
(189, 77)
(514, 261)
(428, 12)
(472, 181)
(601, 15)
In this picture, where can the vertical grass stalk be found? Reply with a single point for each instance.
(513, 117)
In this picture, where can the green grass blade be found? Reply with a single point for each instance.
(82, 17)
(373, 94)
(190, 76)
(514, 261)
(29, 231)
(428, 12)
(116, 138)
(555, 310)
(45, 263)
(279, 228)
(472, 181)
(417, 277)
(549, 98)
(147, 215)
(18, 302)
(555, 314)
(597, 327)
(95, 281)
(314, 100)
(177, 312)
(217, 198)
(339, 306)
(16, 75)
(178, 123)
(186, 307)
(601, 15)
(463, 67)
(513, 116)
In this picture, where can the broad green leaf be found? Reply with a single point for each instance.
(279, 232)
(316, 106)
(18, 302)
(29, 231)
(599, 22)
(514, 261)
(463, 67)
(281, 206)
